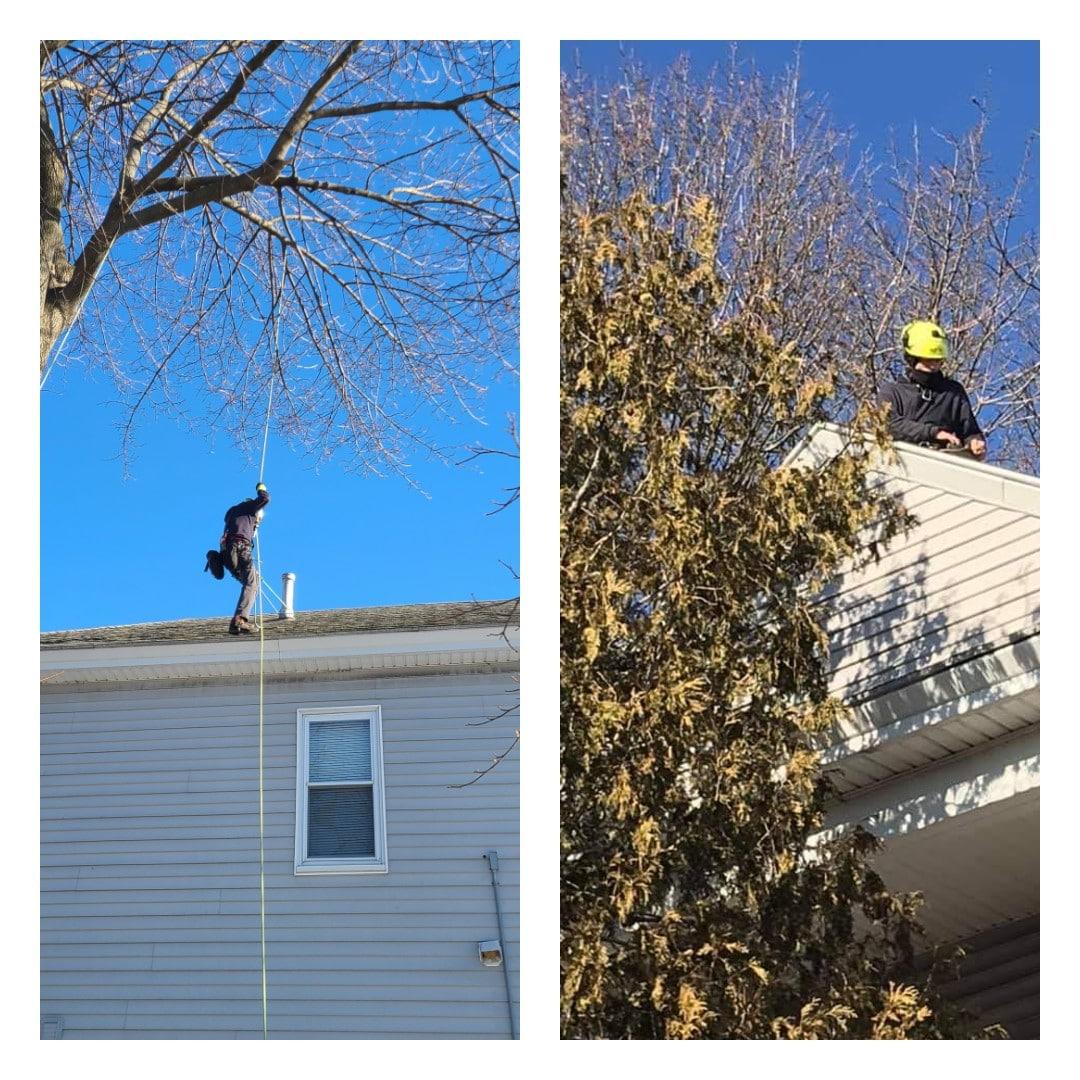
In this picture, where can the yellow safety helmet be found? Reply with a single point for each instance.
(925, 340)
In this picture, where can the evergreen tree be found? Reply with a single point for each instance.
(694, 664)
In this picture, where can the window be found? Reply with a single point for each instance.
(340, 821)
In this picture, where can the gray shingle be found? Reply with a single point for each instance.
(306, 624)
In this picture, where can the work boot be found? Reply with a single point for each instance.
(213, 564)
(240, 625)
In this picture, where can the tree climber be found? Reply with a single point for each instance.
(925, 407)
(234, 555)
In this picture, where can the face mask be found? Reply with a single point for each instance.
(927, 378)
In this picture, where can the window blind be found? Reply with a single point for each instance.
(340, 750)
(341, 822)
(341, 817)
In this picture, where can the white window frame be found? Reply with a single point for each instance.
(379, 863)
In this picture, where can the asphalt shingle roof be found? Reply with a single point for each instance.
(306, 624)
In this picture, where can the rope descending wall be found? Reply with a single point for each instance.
(274, 363)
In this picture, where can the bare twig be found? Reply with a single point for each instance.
(161, 162)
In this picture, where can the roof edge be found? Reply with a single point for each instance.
(959, 476)
(366, 653)
(325, 622)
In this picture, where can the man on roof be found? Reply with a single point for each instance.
(234, 555)
(925, 407)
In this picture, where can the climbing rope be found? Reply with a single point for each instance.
(266, 426)
(262, 834)
(269, 594)
(70, 327)
(274, 359)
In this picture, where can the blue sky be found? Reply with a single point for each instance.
(876, 86)
(881, 92)
(125, 542)
(119, 550)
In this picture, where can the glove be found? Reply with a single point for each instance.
(260, 488)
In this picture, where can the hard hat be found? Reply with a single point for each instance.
(925, 340)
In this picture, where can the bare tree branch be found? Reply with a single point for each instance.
(828, 249)
(451, 105)
(496, 761)
(385, 169)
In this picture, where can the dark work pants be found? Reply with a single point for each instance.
(237, 559)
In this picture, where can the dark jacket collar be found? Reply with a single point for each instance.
(931, 380)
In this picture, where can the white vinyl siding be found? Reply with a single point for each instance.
(340, 820)
(999, 977)
(150, 875)
(935, 645)
(965, 578)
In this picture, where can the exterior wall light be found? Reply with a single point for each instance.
(491, 954)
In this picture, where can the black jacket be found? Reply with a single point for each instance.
(922, 403)
(240, 519)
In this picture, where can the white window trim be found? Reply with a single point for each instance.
(302, 864)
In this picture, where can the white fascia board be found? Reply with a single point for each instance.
(956, 475)
(910, 725)
(232, 656)
(1006, 768)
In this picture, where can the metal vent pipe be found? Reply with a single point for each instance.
(287, 581)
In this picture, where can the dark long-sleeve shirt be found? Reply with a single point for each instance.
(922, 403)
(240, 519)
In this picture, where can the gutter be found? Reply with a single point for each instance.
(376, 652)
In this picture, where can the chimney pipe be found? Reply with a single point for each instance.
(286, 611)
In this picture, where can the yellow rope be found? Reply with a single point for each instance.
(262, 852)
(262, 640)
(70, 326)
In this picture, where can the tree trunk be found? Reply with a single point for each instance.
(54, 266)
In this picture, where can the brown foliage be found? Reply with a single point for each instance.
(694, 663)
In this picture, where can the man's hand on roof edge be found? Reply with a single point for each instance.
(947, 437)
